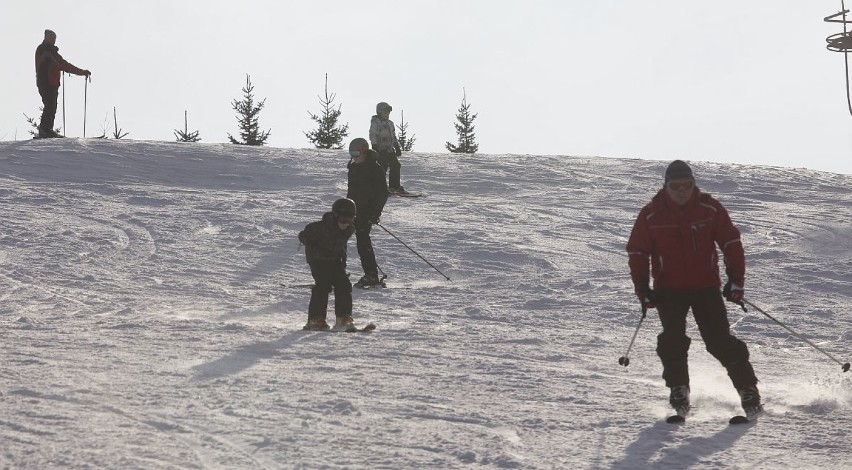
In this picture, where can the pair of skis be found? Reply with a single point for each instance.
(405, 194)
(348, 329)
(682, 412)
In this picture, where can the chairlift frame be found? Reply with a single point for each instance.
(841, 42)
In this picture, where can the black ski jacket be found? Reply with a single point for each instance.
(324, 241)
(368, 188)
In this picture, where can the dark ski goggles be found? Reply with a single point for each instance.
(681, 185)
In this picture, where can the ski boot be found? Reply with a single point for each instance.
(679, 399)
(344, 323)
(370, 280)
(316, 324)
(750, 399)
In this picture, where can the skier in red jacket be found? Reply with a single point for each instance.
(678, 232)
(49, 67)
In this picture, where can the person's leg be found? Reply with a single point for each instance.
(318, 304)
(672, 343)
(712, 319)
(383, 161)
(365, 248)
(342, 291)
(394, 177)
(49, 98)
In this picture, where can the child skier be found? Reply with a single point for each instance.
(384, 141)
(325, 250)
(367, 187)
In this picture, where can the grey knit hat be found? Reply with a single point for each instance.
(678, 170)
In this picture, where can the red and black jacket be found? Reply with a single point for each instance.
(681, 241)
(50, 65)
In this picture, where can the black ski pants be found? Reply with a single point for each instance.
(329, 275)
(365, 247)
(49, 98)
(710, 314)
(389, 161)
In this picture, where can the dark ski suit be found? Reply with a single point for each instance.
(369, 190)
(325, 251)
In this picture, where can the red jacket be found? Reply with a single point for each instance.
(681, 244)
(50, 65)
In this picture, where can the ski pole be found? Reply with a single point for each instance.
(844, 367)
(64, 129)
(625, 359)
(85, 102)
(412, 250)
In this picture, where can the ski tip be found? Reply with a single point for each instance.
(676, 419)
(355, 329)
(739, 419)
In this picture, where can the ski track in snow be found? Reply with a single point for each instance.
(144, 325)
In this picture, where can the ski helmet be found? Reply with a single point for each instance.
(343, 207)
(383, 107)
(356, 145)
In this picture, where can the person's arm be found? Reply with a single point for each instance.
(379, 191)
(639, 253)
(68, 67)
(639, 257)
(729, 241)
(310, 235)
(374, 134)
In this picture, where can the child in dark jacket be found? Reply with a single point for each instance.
(367, 187)
(325, 250)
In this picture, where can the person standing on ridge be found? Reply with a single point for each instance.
(367, 187)
(677, 234)
(325, 250)
(383, 140)
(49, 67)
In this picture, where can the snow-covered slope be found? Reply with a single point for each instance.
(143, 323)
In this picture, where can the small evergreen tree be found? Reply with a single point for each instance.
(34, 131)
(464, 130)
(104, 128)
(185, 135)
(117, 134)
(247, 117)
(327, 135)
(406, 143)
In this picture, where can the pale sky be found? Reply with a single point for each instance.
(728, 81)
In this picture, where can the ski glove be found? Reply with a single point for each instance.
(647, 297)
(733, 291)
(397, 151)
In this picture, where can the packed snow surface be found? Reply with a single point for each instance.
(152, 298)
